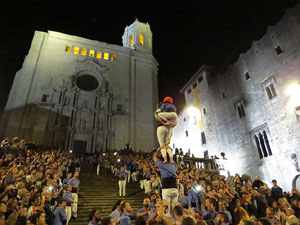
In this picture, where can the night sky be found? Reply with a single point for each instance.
(185, 34)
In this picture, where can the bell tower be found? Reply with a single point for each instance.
(138, 36)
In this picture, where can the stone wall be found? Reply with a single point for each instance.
(273, 60)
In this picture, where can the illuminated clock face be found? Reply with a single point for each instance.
(87, 82)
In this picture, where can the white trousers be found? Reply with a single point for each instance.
(122, 187)
(163, 134)
(134, 176)
(171, 196)
(112, 168)
(74, 205)
(147, 186)
(128, 175)
(68, 210)
(98, 169)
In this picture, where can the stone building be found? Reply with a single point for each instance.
(86, 95)
(251, 111)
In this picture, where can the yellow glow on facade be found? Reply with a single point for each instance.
(106, 56)
(68, 49)
(92, 53)
(131, 39)
(142, 39)
(76, 50)
(99, 55)
(113, 57)
(83, 51)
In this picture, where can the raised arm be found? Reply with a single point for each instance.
(162, 215)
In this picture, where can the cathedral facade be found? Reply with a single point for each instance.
(251, 112)
(85, 95)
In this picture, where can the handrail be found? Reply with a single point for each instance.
(203, 164)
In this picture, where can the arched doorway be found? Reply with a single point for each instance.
(296, 182)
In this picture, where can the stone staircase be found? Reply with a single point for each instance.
(101, 192)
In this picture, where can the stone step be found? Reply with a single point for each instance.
(101, 192)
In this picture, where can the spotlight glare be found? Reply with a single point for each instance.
(293, 90)
(193, 112)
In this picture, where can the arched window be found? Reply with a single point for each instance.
(261, 140)
(92, 53)
(99, 55)
(76, 50)
(83, 51)
(141, 38)
(106, 56)
(258, 146)
(131, 40)
(68, 49)
(267, 142)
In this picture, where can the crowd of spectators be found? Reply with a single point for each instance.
(37, 187)
(40, 187)
(203, 197)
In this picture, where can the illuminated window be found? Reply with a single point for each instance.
(76, 50)
(68, 49)
(92, 53)
(131, 39)
(99, 55)
(106, 56)
(113, 57)
(83, 51)
(142, 39)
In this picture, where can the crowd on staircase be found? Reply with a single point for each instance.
(37, 187)
(41, 187)
(176, 193)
